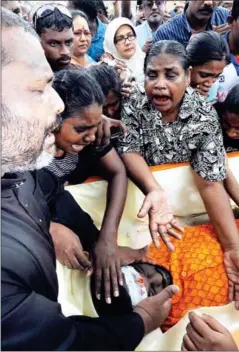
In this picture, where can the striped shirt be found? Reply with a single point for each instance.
(179, 29)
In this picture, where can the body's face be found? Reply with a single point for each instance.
(79, 130)
(112, 105)
(30, 104)
(125, 47)
(154, 11)
(230, 124)
(205, 75)
(82, 36)
(201, 10)
(165, 83)
(153, 280)
(58, 47)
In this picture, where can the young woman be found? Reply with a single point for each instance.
(83, 99)
(82, 39)
(170, 122)
(120, 43)
(111, 87)
(208, 55)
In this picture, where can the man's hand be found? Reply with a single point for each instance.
(222, 29)
(154, 310)
(161, 220)
(147, 46)
(107, 268)
(231, 262)
(103, 132)
(207, 334)
(68, 248)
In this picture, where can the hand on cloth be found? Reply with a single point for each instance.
(231, 262)
(207, 334)
(202, 90)
(161, 220)
(147, 46)
(103, 132)
(222, 28)
(68, 248)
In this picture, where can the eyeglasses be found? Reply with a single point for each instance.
(46, 10)
(122, 40)
(158, 3)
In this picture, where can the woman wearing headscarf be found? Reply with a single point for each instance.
(121, 43)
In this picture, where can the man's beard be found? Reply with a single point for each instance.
(20, 144)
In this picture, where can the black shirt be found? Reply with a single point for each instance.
(31, 316)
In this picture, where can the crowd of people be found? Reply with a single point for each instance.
(83, 95)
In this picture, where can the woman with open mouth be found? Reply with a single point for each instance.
(169, 122)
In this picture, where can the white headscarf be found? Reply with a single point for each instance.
(136, 62)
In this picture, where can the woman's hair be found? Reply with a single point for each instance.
(170, 47)
(78, 90)
(205, 47)
(57, 20)
(231, 103)
(76, 13)
(107, 78)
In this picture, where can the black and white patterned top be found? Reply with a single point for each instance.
(196, 136)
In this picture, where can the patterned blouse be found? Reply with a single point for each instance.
(196, 136)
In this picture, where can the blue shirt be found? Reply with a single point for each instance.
(179, 29)
(143, 33)
(232, 57)
(96, 50)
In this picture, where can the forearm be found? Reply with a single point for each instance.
(116, 196)
(217, 204)
(126, 9)
(116, 9)
(232, 187)
(139, 172)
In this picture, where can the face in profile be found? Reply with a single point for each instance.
(166, 82)
(82, 36)
(155, 278)
(125, 42)
(58, 47)
(79, 130)
(30, 103)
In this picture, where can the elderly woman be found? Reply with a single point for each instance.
(170, 122)
(120, 43)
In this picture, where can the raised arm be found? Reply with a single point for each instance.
(126, 10)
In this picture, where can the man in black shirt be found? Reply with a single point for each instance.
(31, 316)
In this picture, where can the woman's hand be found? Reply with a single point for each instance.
(231, 262)
(103, 132)
(161, 219)
(202, 90)
(107, 269)
(68, 248)
(127, 88)
(207, 334)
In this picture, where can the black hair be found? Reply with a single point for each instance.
(11, 20)
(57, 20)
(89, 7)
(167, 276)
(107, 78)
(231, 103)
(171, 47)
(78, 90)
(76, 13)
(235, 10)
(205, 47)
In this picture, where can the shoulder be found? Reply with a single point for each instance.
(221, 14)
(171, 30)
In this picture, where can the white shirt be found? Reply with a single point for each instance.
(144, 33)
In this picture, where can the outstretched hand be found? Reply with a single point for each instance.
(161, 220)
